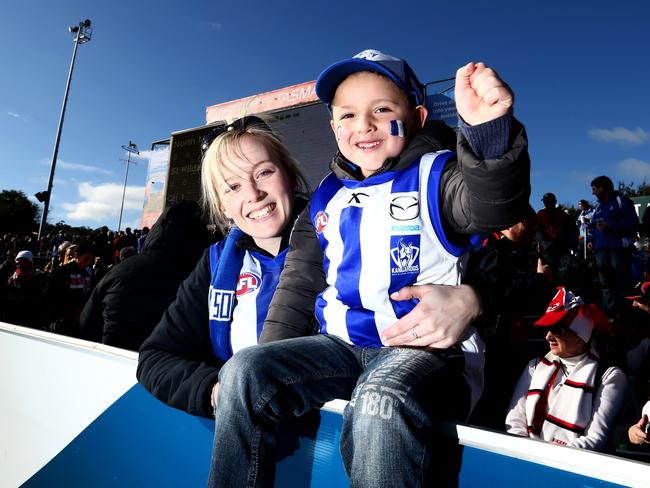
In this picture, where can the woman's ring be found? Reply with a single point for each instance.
(414, 334)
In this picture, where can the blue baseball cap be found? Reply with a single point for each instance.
(396, 69)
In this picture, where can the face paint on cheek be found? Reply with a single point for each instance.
(338, 133)
(397, 128)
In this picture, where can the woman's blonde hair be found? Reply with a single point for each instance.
(227, 145)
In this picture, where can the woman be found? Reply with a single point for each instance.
(248, 179)
(568, 397)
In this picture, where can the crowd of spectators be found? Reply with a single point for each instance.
(46, 284)
(114, 287)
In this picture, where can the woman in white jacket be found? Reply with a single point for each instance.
(568, 397)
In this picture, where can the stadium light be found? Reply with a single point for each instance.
(82, 34)
(130, 149)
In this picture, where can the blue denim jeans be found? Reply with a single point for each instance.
(614, 272)
(397, 395)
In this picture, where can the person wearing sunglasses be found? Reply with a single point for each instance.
(253, 190)
(568, 397)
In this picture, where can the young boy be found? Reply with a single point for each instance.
(389, 216)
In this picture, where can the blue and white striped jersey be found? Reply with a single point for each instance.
(258, 279)
(379, 235)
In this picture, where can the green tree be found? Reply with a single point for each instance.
(17, 213)
(642, 190)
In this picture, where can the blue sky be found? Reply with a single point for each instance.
(580, 71)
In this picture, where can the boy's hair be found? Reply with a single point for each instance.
(226, 145)
(603, 182)
(395, 69)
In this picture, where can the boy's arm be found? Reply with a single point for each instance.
(291, 313)
(489, 187)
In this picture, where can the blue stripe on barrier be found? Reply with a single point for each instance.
(484, 468)
(139, 441)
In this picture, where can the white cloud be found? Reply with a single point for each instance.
(621, 135)
(216, 26)
(101, 202)
(13, 114)
(584, 177)
(82, 167)
(635, 169)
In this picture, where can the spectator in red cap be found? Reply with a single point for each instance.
(642, 301)
(568, 397)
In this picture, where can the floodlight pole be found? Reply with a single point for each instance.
(130, 149)
(83, 33)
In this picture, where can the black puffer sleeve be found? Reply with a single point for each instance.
(291, 313)
(177, 363)
(486, 195)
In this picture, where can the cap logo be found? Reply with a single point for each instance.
(373, 55)
(553, 307)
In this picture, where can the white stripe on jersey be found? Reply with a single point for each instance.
(335, 315)
(373, 282)
(243, 329)
(436, 264)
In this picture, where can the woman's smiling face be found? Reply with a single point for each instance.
(256, 193)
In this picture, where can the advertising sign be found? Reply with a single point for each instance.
(442, 107)
(264, 102)
(154, 191)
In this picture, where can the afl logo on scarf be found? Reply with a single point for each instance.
(320, 221)
(248, 283)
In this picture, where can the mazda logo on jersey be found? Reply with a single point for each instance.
(248, 283)
(404, 207)
(320, 222)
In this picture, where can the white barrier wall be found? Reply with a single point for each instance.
(51, 388)
(54, 388)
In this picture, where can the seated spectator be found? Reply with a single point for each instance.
(67, 290)
(70, 253)
(557, 230)
(129, 301)
(127, 252)
(568, 397)
(520, 285)
(642, 301)
(7, 268)
(21, 302)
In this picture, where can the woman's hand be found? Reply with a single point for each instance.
(438, 321)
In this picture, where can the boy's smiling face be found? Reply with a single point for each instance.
(364, 105)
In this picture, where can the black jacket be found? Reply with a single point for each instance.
(177, 363)
(476, 195)
(129, 301)
(64, 297)
(514, 288)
